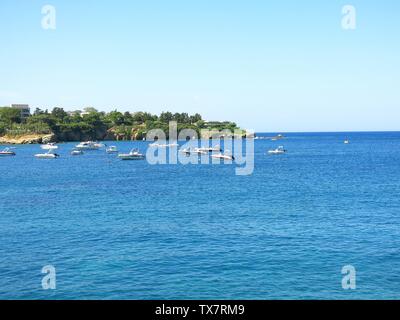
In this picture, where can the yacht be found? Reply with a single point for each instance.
(346, 141)
(134, 154)
(48, 155)
(278, 137)
(163, 145)
(223, 156)
(76, 152)
(88, 145)
(216, 148)
(112, 149)
(7, 152)
(49, 146)
(279, 150)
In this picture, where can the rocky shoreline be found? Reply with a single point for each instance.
(28, 139)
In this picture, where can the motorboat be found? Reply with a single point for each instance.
(7, 152)
(112, 149)
(346, 141)
(186, 151)
(76, 152)
(189, 151)
(99, 145)
(224, 156)
(216, 148)
(88, 145)
(277, 137)
(49, 146)
(48, 155)
(163, 145)
(279, 150)
(134, 154)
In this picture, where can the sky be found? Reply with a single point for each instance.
(270, 66)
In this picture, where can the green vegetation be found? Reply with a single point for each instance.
(94, 125)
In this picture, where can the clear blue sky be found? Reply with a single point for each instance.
(268, 65)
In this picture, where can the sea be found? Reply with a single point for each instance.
(292, 229)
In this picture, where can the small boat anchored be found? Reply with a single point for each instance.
(279, 150)
(216, 148)
(112, 149)
(76, 152)
(134, 154)
(224, 156)
(88, 145)
(7, 152)
(163, 145)
(48, 155)
(49, 146)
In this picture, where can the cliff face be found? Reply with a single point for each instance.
(28, 139)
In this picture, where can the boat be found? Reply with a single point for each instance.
(189, 151)
(277, 137)
(48, 155)
(346, 141)
(279, 150)
(163, 145)
(7, 152)
(112, 149)
(88, 145)
(49, 146)
(99, 145)
(76, 152)
(186, 151)
(216, 148)
(224, 156)
(134, 154)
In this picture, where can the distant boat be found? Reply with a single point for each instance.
(49, 146)
(48, 155)
(112, 149)
(7, 152)
(278, 137)
(76, 152)
(134, 154)
(88, 145)
(216, 148)
(346, 141)
(189, 151)
(279, 150)
(163, 145)
(223, 156)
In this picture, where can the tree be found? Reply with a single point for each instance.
(90, 110)
(59, 113)
(166, 117)
(116, 118)
(10, 115)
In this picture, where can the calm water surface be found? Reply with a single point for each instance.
(127, 229)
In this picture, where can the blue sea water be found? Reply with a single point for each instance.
(130, 230)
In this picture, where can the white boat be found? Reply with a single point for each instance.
(163, 145)
(279, 150)
(48, 155)
(88, 145)
(76, 152)
(278, 137)
(112, 149)
(346, 141)
(189, 151)
(134, 154)
(99, 145)
(49, 146)
(223, 156)
(216, 148)
(6, 152)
